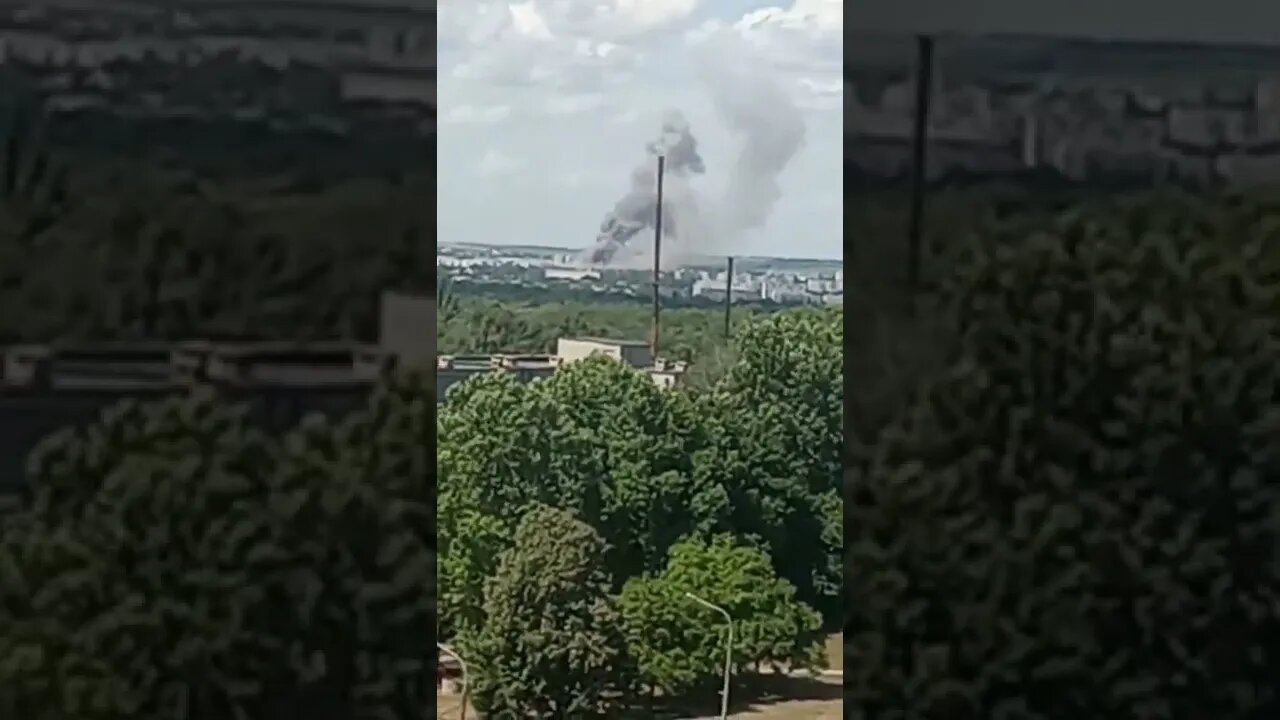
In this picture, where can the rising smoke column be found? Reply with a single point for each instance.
(636, 210)
(760, 113)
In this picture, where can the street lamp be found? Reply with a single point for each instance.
(466, 681)
(728, 651)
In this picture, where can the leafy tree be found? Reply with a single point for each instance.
(175, 562)
(1077, 517)
(129, 586)
(649, 498)
(598, 438)
(679, 646)
(774, 425)
(470, 541)
(551, 645)
(354, 504)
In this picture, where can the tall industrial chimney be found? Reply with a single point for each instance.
(657, 261)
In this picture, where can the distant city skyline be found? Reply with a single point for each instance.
(545, 111)
(564, 249)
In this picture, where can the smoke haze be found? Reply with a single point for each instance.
(759, 112)
(638, 208)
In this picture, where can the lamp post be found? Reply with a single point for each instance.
(466, 681)
(728, 651)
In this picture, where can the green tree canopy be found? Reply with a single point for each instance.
(679, 645)
(758, 457)
(552, 643)
(175, 562)
(774, 425)
(597, 438)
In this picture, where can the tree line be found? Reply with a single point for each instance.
(469, 324)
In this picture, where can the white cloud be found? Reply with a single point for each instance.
(563, 43)
(528, 22)
(496, 163)
(631, 17)
(575, 104)
(475, 114)
(625, 116)
(574, 179)
(805, 40)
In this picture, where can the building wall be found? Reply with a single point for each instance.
(635, 355)
(446, 378)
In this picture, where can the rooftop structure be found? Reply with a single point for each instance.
(633, 353)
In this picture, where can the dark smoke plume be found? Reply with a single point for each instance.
(760, 113)
(637, 209)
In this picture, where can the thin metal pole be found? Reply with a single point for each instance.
(919, 157)
(466, 680)
(728, 651)
(657, 260)
(728, 298)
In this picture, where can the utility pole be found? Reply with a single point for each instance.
(919, 157)
(728, 298)
(657, 261)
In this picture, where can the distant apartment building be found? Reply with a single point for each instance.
(571, 274)
(744, 289)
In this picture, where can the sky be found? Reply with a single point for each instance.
(546, 107)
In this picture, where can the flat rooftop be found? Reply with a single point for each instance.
(611, 341)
